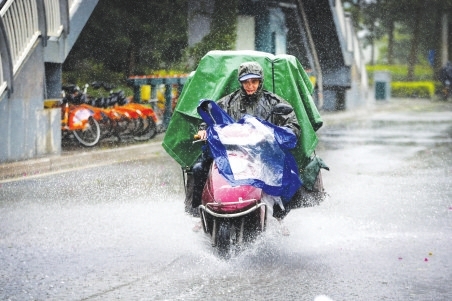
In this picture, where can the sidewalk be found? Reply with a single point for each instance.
(77, 157)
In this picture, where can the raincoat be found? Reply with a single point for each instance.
(260, 151)
(216, 76)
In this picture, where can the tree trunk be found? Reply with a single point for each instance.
(131, 60)
(414, 43)
(444, 40)
(372, 44)
(391, 43)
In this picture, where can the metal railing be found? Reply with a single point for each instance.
(53, 18)
(3, 84)
(351, 39)
(71, 4)
(21, 21)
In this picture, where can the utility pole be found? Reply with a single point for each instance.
(444, 39)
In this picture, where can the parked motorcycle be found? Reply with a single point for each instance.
(80, 121)
(105, 122)
(128, 118)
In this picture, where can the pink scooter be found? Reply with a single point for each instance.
(235, 215)
(231, 215)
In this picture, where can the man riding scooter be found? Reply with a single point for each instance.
(253, 100)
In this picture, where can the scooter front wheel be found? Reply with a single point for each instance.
(90, 135)
(224, 238)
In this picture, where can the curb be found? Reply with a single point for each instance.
(83, 158)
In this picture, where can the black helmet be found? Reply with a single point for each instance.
(249, 70)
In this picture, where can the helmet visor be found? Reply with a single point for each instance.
(248, 76)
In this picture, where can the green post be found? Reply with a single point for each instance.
(153, 96)
(168, 101)
(137, 93)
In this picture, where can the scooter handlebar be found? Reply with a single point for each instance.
(197, 138)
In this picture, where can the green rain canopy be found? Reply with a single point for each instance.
(216, 76)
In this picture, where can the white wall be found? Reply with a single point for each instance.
(245, 33)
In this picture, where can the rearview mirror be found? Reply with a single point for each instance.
(282, 109)
(206, 106)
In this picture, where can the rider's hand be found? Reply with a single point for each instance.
(202, 134)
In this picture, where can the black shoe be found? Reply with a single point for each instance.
(192, 211)
(279, 213)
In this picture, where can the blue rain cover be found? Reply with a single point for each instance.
(251, 151)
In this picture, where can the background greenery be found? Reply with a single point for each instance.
(399, 72)
(140, 37)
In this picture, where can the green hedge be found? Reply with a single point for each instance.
(424, 89)
(423, 86)
(399, 72)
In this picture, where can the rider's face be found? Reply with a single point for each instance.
(251, 85)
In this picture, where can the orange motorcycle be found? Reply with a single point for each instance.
(78, 120)
(129, 117)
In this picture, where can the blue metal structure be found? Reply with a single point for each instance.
(138, 81)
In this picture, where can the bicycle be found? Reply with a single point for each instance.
(78, 120)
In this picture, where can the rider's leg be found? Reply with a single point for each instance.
(189, 194)
(280, 214)
(200, 173)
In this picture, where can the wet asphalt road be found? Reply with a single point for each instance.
(119, 231)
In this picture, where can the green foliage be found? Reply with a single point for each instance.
(141, 37)
(424, 86)
(425, 89)
(89, 72)
(400, 51)
(129, 37)
(165, 72)
(408, 28)
(399, 72)
(222, 35)
(96, 72)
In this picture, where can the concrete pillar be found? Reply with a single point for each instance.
(49, 135)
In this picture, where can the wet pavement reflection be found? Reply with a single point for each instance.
(120, 232)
